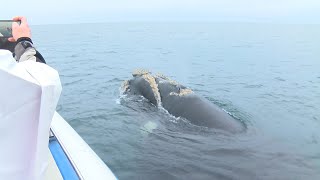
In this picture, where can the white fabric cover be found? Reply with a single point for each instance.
(29, 93)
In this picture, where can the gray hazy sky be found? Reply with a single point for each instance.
(79, 11)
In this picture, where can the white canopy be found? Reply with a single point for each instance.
(29, 93)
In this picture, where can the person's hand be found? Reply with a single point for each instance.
(21, 30)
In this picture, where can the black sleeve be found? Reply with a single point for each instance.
(24, 50)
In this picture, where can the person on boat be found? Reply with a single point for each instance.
(29, 93)
(24, 49)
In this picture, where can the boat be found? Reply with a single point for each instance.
(70, 157)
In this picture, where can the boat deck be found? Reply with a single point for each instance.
(53, 172)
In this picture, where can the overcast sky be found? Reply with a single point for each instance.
(79, 11)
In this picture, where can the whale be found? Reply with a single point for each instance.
(180, 101)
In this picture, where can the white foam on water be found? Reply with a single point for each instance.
(172, 118)
(122, 94)
(118, 101)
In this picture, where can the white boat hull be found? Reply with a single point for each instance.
(73, 156)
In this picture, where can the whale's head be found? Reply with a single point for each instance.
(143, 83)
(155, 87)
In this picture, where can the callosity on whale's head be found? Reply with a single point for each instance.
(143, 83)
(168, 87)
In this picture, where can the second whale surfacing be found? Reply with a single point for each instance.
(181, 101)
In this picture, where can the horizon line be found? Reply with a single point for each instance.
(181, 21)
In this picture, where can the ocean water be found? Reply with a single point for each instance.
(267, 76)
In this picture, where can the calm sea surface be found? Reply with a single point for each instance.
(267, 76)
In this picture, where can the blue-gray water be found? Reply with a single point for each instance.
(268, 76)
